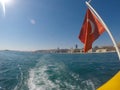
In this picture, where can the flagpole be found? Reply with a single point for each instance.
(109, 33)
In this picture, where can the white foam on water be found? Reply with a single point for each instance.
(70, 86)
(89, 85)
(21, 79)
(75, 76)
(39, 80)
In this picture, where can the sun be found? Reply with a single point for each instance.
(3, 3)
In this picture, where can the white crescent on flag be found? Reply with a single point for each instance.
(92, 26)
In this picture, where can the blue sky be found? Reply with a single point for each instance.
(47, 24)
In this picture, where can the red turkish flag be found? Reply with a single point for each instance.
(91, 29)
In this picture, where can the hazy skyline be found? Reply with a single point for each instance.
(47, 24)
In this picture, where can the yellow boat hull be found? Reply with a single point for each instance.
(112, 84)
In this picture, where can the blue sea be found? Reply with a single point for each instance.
(38, 71)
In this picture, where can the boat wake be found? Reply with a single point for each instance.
(19, 85)
(51, 74)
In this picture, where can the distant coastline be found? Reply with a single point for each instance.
(76, 50)
(105, 49)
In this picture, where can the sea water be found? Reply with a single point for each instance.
(37, 71)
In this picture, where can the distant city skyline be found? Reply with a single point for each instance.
(47, 24)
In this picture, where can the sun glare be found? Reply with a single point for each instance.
(3, 3)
